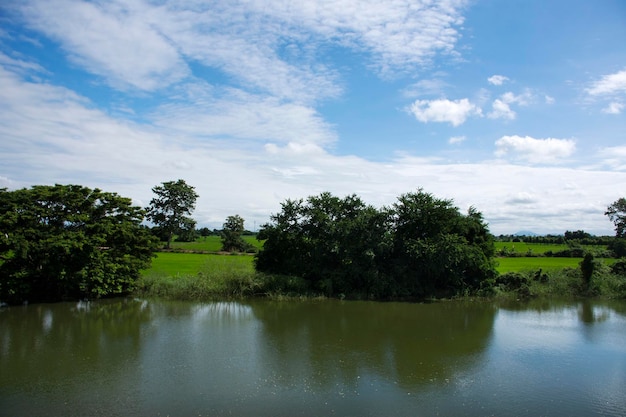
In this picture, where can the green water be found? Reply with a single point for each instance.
(261, 358)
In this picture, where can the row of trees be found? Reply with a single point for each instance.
(170, 212)
(69, 241)
(420, 246)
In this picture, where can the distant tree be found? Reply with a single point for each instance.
(204, 231)
(578, 234)
(188, 232)
(170, 209)
(617, 214)
(68, 241)
(231, 235)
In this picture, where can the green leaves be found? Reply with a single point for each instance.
(170, 209)
(419, 247)
(617, 214)
(68, 241)
(231, 235)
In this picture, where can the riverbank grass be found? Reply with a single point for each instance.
(190, 276)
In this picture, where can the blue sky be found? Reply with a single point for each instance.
(515, 107)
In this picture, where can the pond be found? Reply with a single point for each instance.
(311, 358)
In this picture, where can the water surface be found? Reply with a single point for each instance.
(263, 358)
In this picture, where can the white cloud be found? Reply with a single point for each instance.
(425, 87)
(501, 106)
(147, 46)
(454, 140)
(549, 100)
(535, 150)
(53, 135)
(614, 107)
(501, 110)
(614, 157)
(523, 99)
(609, 84)
(110, 40)
(235, 114)
(443, 110)
(399, 34)
(497, 79)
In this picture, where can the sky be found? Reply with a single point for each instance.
(517, 108)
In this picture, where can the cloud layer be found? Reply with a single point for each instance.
(246, 101)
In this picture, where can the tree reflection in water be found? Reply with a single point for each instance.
(343, 342)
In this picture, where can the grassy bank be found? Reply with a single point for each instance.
(211, 244)
(560, 283)
(191, 276)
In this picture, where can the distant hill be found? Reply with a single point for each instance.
(525, 233)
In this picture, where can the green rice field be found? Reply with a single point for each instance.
(175, 264)
(211, 244)
(178, 264)
(523, 248)
(518, 264)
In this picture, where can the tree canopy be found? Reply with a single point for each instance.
(617, 214)
(68, 241)
(231, 235)
(171, 208)
(421, 246)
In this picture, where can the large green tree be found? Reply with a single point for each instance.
(68, 241)
(617, 214)
(232, 230)
(420, 246)
(170, 210)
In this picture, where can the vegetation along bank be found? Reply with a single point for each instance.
(67, 241)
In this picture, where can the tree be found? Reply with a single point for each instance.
(420, 246)
(231, 235)
(170, 209)
(617, 214)
(436, 249)
(68, 241)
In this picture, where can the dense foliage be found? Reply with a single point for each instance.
(170, 210)
(231, 234)
(68, 241)
(617, 214)
(419, 247)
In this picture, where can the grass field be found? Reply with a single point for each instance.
(524, 248)
(526, 264)
(535, 248)
(211, 244)
(194, 276)
(176, 264)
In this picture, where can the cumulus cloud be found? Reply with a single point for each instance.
(614, 107)
(535, 150)
(443, 110)
(497, 79)
(501, 108)
(609, 84)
